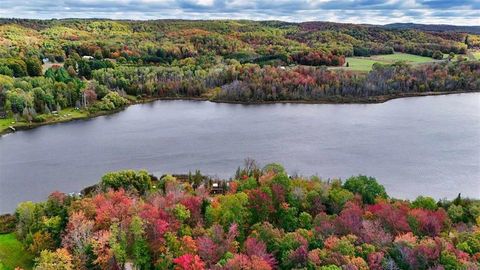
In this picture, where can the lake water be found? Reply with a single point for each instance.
(422, 145)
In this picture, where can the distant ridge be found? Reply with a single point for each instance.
(435, 27)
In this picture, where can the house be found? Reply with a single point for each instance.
(87, 57)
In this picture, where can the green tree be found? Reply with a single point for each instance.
(140, 250)
(229, 209)
(139, 181)
(5, 70)
(84, 69)
(181, 212)
(274, 167)
(437, 55)
(287, 217)
(455, 212)
(34, 66)
(54, 260)
(118, 244)
(337, 197)
(17, 100)
(365, 186)
(18, 66)
(425, 202)
(305, 220)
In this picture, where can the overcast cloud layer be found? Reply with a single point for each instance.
(466, 12)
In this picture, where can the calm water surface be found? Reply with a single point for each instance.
(424, 145)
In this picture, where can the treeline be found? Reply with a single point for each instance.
(49, 65)
(163, 81)
(371, 40)
(29, 96)
(230, 81)
(34, 98)
(161, 42)
(318, 59)
(252, 83)
(255, 84)
(263, 220)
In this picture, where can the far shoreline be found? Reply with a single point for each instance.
(335, 100)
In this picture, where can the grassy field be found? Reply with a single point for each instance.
(409, 58)
(12, 254)
(360, 64)
(63, 115)
(476, 54)
(366, 63)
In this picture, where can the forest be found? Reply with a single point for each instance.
(262, 218)
(96, 66)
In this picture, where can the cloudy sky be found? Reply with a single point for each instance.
(460, 12)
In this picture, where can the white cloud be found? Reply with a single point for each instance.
(462, 12)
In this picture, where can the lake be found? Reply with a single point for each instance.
(421, 145)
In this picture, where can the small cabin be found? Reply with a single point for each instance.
(219, 187)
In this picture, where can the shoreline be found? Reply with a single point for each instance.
(327, 100)
(346, 100)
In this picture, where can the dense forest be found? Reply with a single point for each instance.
(260, 219)
(102, 65)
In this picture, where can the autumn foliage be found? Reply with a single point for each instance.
(265, 220)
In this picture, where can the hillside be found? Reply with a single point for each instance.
(97, 66)
(242, 40)
(435, 27)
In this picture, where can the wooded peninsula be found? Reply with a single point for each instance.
(260, 219)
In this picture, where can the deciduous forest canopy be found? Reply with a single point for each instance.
(263, 219)
(101, 65)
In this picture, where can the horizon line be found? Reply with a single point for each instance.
(227, 19)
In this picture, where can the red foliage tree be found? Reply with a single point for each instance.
(350, 219)
(244, 262)
(112, 206)
(254, 247)
(428, 222)
(260, 205)
(375, 260)
(189, 262)
(393, 217)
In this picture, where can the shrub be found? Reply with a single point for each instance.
(117, 100)
(7, 223)
(110, 102)
(39, 119)
(437, 55)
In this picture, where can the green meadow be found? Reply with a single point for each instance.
(366, 63)
(12, 254)
(62, 116)
(476, 54)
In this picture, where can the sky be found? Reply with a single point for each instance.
(458, 12)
